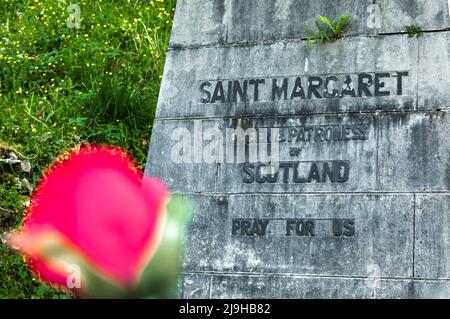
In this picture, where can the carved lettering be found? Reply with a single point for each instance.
(304, 87)
(293, 227)
(298, 172)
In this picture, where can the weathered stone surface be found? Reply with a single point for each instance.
(426, 61)
(194, 286)
(290, 287)
(180, 177)
(307, 134)
(201, 22)
(434, 71)
(430, 289)
(384, 152)
(365, 128)
(382, 239)
(429, 15)
(186, 70)
(414, 151)
(432, 255)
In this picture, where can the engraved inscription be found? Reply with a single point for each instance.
(324, 133)
(298, 172)
(293, 227)
(304, 87)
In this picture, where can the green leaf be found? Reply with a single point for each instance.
(93, 284)
(414, 30)
(327, 22)
(311, 31)
(160, 276)
(342, 22)
(320, 28)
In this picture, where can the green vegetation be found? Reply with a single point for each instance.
(62, 86)
(328, 30)
(414, 30)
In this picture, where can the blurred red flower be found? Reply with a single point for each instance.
(92, 209)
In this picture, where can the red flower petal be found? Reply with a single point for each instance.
(95, 198)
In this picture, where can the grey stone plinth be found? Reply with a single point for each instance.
(359, 206)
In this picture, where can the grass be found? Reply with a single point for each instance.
(62, 86)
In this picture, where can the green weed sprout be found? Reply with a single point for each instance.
(414, 30)
(328, 30)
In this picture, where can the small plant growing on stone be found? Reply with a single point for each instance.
(414, 30)
(328, 30)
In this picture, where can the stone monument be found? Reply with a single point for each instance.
(316, 171)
